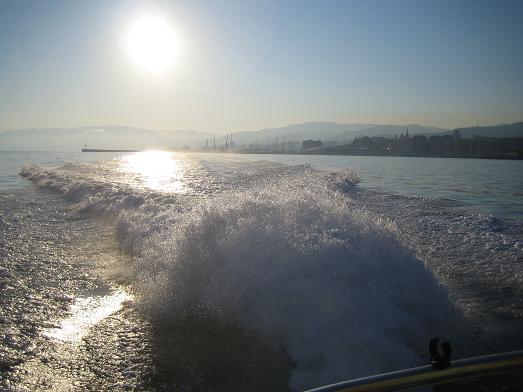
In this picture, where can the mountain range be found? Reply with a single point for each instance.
(121, 137)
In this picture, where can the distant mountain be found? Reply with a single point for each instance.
(326, 131)
(321, 130)
(109, 137)
(294, 132)
(121, 137)
(505, 130)
(390, 131)
(347, 132)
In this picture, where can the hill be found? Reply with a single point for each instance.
(294, 132)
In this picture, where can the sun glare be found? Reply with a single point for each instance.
(152, 44)
(157, 170)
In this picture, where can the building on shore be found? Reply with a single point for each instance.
(310, 144)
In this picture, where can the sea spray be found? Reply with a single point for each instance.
(299, 264)
(286, 254)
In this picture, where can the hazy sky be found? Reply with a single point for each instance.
(245, 65)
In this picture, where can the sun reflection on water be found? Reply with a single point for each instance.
(157, 170)
(85, 313)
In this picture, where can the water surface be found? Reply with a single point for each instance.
(162, 271)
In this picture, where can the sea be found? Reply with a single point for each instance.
(168, 271)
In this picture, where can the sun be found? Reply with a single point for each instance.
(152, 44)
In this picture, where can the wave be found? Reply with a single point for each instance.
(291, 257)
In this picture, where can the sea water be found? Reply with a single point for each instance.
(169, 271)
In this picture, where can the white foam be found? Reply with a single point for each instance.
(286, 253)
(297, 262)
(85, 313)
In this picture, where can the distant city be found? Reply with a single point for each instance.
(433, 146)
(451, 145)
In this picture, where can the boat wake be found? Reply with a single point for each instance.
(282, 269)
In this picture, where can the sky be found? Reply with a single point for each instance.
(246, 65)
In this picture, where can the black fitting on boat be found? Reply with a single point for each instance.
(440, 360)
